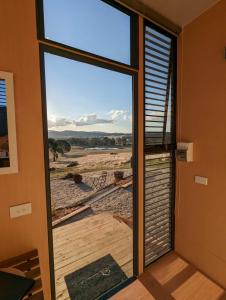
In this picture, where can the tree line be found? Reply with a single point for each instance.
(57, 147)
(100, 142)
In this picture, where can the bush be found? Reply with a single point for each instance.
(73, 164)
(118, 175)
(68, 176)
(77, 178)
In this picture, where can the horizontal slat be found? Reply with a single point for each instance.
(160, 230)
(159, 238)
(164, 242)
(155, 68)
(152, 256)
(34, 273)
(154, 75)
(154, 81)
(158, 36)
(18, 259)
(37, 296)
(156, 218)
(37, 286)
(151, 38)
(149, 260)
(158, 182)
(155, 87)
(158, 206)
(149, 229)
(158, 221)
(166, 59)
(155, 43)
(28, 265)
(159, 64)
(160, 51)
(155, 213)
(149, 203)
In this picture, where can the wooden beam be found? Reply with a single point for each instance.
(141, 148)
(151, 15)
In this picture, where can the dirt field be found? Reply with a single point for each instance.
(65, 193)
(91, 161)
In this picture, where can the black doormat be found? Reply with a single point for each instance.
(94, 279)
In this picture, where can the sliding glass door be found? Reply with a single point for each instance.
(90, 147)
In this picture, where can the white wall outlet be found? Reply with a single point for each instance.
(201, 180)
(20, 210)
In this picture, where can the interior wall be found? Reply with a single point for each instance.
(19, 54)
(201, 210)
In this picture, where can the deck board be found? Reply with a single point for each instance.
(83, 242)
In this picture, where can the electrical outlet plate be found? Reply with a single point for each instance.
(201, 180)
(20, 210)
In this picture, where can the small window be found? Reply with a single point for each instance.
(90, 25)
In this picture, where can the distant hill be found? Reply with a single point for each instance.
(82, 134)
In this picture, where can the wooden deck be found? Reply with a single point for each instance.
(82, 242)
(172, 278)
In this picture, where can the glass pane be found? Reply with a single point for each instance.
(90, 155)
(89, 25)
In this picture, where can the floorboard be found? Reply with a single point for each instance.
(172, 278)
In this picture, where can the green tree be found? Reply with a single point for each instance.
(58, 146)
(63, 146)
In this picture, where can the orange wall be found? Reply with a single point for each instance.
(201, 210)
(19, 54)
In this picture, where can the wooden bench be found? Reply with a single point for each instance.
(28, 263)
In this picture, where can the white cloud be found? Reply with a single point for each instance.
(84, 120)
(119, 114)
(91, 119)
(58, 122)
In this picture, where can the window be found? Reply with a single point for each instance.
(89, 75)
(90, 25)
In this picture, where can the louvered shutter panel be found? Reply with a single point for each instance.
(159, 142)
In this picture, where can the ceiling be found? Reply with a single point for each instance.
(180, 12)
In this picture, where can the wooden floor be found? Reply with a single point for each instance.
(83, 242)
(172, 278)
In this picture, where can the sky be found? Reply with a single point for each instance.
(90, 25)
(81, 96)
(84, 97)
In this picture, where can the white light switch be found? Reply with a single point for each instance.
(20, 210)
(201, 180)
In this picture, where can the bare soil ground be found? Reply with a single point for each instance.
(91, 161)
(119, 203)
(66, 195)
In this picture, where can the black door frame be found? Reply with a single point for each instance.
(43, 48)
